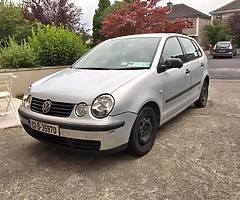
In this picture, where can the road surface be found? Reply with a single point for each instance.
(225, 68)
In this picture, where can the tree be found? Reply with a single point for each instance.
(12, 23)
(142, 17)
(97, 20)
(57, 12)
(218, 31)
(234, 22)
(113, 8)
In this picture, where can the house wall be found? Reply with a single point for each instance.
(224, 16)
(201, 34)
(191, 31)
(198, 30)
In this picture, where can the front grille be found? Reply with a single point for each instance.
(58, 109)
(63, 141)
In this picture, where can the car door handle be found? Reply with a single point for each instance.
(202, 65)
(188, 71)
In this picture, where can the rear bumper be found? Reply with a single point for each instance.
(229, 54)
(109, 135)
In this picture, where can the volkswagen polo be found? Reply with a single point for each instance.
(117, 95)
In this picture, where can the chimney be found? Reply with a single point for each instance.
(170, 6)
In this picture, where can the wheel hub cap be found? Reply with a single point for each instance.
(145, 130)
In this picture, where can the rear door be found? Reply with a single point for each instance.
(194, 65)
(175, 96)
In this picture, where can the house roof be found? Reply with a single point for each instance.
(234, 5)
(182, 10)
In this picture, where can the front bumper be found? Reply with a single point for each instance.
(106, 134)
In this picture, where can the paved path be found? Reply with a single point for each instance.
(225, 68)
(195, 156)
(9, 120)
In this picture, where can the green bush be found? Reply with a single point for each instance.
(18, 55)
(218, 31)
(56, 45)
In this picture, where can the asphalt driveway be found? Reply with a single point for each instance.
(196, 156)
(225, 68)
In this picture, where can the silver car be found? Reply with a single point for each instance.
(117, 95)
(224, 49)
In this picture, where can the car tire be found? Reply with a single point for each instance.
(143, 132)
(202, 101)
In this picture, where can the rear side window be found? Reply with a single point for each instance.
(191, 51)
(172, 49)
(197, 48)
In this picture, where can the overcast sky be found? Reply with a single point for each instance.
(89, 6)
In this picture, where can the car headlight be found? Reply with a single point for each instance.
(81, 109)
(102, 106)
(26, 101)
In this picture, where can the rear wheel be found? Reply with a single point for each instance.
(143, 133)
(202, 101)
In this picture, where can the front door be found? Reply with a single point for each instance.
(176, 81)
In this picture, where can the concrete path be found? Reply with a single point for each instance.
(9, 120)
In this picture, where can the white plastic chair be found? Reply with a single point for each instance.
(6, 82)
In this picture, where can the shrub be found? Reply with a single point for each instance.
(18, 55)
(56, 45)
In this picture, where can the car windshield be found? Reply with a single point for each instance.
(223, 45)
(124, 53)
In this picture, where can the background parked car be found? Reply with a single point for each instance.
(224, 49)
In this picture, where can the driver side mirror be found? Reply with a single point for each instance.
(170, 63)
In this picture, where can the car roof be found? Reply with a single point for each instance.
(160, 35)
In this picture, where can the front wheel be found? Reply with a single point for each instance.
(143, 133)
(202, 101)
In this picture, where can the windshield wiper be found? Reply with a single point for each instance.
(124, 68)
(94, 68)
(132, 68)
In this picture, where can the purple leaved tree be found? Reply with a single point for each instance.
(58, 12)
